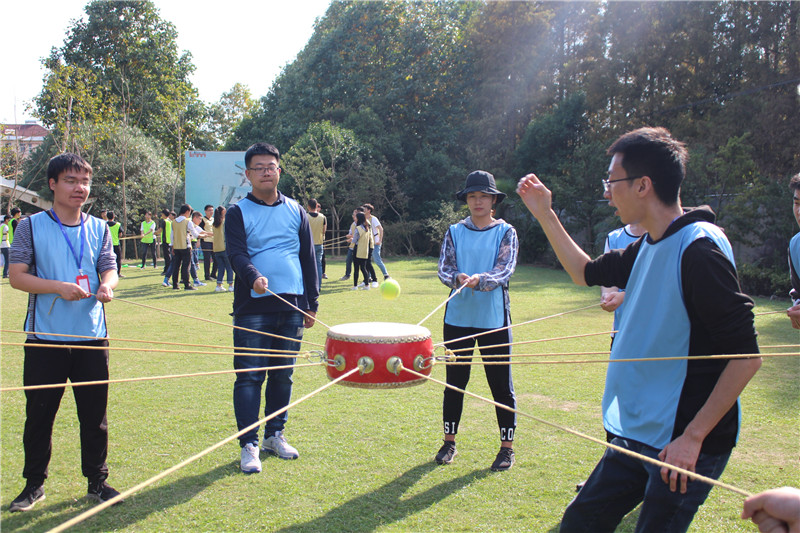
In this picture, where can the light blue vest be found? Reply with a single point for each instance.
(54, 260)
(619, 239)
(274, 245)
(640, 401)
(476, 252)
(794, 253)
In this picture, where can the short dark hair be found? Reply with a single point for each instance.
(359, 209)
(196, 214)
(653, 152)
(148, 213)
(185, 208)
(260, 149)
(165, 212)
(66, 161)
(794, 183)
(15, 210)
(110, 215)
(6, 218)
(369, 206)
(206, 207)
(312, 203)
(173, 214)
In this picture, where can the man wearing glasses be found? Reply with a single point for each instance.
(682, 300)
(270, 247)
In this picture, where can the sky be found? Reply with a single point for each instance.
(250, 42)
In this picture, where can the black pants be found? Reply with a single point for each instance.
(183, 256)
(208, 256)
(5, 261)
(167, 253)
(364, 265)
(149, 246)
(498, 376)
(118, 253)
(57, 365)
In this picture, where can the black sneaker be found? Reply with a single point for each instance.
(504, 460)
(190, 288)
(101, 491)
(27, 498)
(446, 453)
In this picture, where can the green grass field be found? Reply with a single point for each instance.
(366, 456)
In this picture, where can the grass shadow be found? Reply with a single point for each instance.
(135, 509)
(384, 505)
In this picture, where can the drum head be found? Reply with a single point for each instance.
(379, 332)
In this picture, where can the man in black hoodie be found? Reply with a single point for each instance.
(682, 300)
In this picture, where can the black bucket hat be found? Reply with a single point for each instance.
(480, 181)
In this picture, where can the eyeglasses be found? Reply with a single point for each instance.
(606, 183)
(269, 169)
(86, 182)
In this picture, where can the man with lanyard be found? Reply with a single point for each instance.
(114, 227)
(682, 300)
(148, 230)
(794, 256)
(64, 260)
(269, 243)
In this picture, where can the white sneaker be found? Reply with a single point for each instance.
(198, 283)
(354, 288)
(277, 445)
(219, 289)
(374, 284)
(230, 288)
(250, 462)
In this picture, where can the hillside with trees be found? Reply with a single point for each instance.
(395, 102)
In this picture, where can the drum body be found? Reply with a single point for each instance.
(379, 346)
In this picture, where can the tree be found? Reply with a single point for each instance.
(225, 116)
(120, 64)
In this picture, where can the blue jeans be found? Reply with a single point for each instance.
(223, 267)
(348, 262)
(620, 482)
(193, 264)
(247, 387)
(376, 258)
(318, 254)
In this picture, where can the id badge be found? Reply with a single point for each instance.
(83, 283)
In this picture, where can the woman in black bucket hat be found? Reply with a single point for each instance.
(479, 252)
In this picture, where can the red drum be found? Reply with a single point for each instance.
(378, 347)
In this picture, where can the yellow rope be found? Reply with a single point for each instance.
(456, 293)
(304, 313)
(154, 378)
(536, 340)
(124, 494)
(216, 323)
(656, 462)
(144, 341)
(520, 324)
(157, 350)
(606, 360)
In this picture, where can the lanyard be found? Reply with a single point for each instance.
(81, 233)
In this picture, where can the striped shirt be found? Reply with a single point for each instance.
(22, 249)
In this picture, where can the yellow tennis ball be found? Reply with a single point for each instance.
(390, 289)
